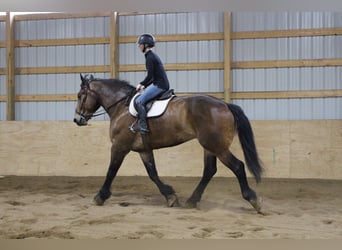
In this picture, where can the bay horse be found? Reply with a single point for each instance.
(211, 121)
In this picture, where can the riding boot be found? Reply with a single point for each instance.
(142, 124)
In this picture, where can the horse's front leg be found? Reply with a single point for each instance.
(117, 157)
(166, 190)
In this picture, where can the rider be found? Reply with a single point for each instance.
(156, 80)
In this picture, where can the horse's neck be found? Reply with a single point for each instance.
(112, 99)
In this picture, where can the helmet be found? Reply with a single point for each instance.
(146, 39)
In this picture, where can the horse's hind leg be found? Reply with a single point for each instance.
(210, 168)
(166, 190)
(238, 169)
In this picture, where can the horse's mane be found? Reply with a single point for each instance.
(114, 82)
(117, 84)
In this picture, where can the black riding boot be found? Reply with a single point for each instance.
(142, 124)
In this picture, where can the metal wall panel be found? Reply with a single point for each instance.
(57, 56)
(287, 48)
(288, 79)
(2, 92)
(2, 65)
(172, 23)
(258, 21)
(2, 31)
(177, 52)
(292, 109)
(62, 28)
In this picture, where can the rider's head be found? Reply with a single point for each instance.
(146, 41)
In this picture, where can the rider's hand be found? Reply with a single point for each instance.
(139, 87)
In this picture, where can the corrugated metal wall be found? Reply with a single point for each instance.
(81, 55)
(286, 79)
(2, 65)
(282, 79)
(177, 52)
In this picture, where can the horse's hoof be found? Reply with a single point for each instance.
(256, 203)
(98, 200)
(190, 204)
(172, 201)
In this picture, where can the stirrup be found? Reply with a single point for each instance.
(135, 127)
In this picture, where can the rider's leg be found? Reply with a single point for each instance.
(149, 94)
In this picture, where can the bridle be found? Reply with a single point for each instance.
(85, 86)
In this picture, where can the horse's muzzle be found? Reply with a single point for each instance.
(80, 120)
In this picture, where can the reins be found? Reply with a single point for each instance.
(110, 106)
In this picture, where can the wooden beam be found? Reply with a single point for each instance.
(177, 37)
(45, 98)
(62, 42)
(62, 70)
(49, 16)
(146, 13)
(287, 94)
(73, 97)
(227, 66)
(2, 44)
(114, 45)
(240, 35)
(220, 95)
(287, 63)
(3, 98)
(286, 33)
(10, 84)
(3, 71)
(174, 66)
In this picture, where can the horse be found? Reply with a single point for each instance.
(210, 120)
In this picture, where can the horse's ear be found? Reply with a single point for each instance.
(82, 78)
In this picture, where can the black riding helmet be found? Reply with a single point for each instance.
(146, 39)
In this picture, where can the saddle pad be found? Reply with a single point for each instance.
(157, 109)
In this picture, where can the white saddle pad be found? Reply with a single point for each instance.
(157, 109)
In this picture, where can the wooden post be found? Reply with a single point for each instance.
(227, 66)
(10, 91)
(114, 45)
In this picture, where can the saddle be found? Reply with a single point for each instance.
(155, 107)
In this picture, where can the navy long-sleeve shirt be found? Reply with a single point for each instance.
(155, 71)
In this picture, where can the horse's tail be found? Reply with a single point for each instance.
(246, 138)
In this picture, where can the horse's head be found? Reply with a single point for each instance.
(87, 102)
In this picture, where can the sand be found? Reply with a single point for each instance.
(62, 208)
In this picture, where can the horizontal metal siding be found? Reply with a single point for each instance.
(58, 56)
(2, 31)
(287, 48)
(2, 65)
(185, 81)
(177, 52)
(288, 79)
(62, 28)
(172, 23)
(2, 92)
(258, 21)
(292, 109)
